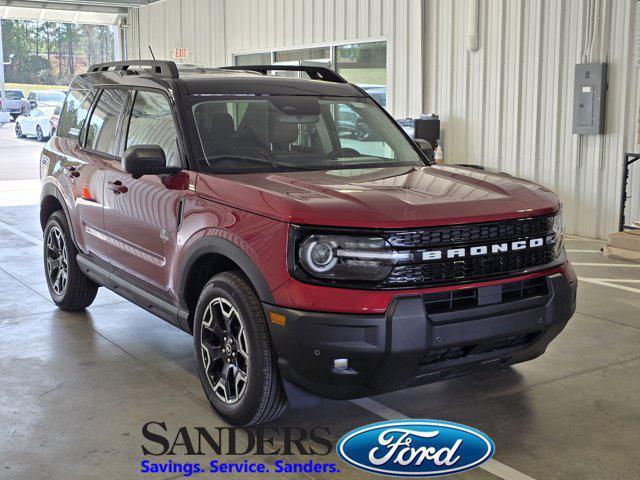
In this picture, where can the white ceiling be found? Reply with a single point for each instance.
(108, 12)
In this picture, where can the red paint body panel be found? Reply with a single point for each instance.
(254, 212)
(381, 198)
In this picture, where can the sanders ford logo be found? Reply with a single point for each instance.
(420, 448)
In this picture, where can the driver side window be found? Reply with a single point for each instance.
(152, 124)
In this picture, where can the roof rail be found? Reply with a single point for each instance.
(163, 68)
(315, 73)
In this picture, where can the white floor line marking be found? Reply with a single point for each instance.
(21, 234)
(612, 285)
(583, 251)
(627, 280)
(595, 264)
(492, 466)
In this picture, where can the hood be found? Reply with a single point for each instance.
(381, 197)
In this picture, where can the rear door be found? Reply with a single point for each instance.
(99, 137)
(141, 215)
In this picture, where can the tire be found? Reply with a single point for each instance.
(39, 135)
(226, 305)
(19, 133)
(69, 288)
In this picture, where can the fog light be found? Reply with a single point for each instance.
(341, 363)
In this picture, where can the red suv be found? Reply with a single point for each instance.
(306, 261)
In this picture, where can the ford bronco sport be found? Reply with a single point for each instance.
(306, 261)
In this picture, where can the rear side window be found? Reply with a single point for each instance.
(74, 112)
(102, 128)
(152, 124)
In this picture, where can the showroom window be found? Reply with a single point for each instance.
(319, 55)
(103, 124)
(364, 63)
(152, 124)
(253, 59)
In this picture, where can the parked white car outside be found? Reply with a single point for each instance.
(36, 123)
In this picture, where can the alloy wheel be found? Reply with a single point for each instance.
(57, 263)
(39, 134)
(225, 351)
(18, 131)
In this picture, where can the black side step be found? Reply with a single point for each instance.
(159, 306)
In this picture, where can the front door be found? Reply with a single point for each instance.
(141, 215)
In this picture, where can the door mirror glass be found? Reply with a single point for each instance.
(143, 160)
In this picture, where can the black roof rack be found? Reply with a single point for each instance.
(315, 73)
(167, 68)
(164, 68)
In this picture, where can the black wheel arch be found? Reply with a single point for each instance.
(230, 255)
(52, 200)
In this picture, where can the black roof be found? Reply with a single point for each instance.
(226, 80)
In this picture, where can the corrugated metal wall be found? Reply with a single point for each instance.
(214, 30)
(194, 24)
(508, 105)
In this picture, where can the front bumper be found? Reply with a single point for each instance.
(421, 338)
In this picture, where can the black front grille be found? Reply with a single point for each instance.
(479, 232)
(469, 268)
(456, 300)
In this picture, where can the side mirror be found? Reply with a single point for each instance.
(141, 160)
(426, 148)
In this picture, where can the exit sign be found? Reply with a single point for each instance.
(180, 53)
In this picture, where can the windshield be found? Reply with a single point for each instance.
(14, 94)
(51, 97)
(285, 133)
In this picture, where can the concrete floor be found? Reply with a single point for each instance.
(76, 388)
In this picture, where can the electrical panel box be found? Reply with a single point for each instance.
(589, 98)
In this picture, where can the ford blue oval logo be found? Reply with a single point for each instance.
(421, 448)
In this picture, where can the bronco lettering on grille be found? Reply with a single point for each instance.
(478, 250)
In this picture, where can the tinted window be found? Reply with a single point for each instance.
(74, 113)
(14, 94)
(152, 124)
(103, 126)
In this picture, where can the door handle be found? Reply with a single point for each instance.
(71, 172)
(117, 187)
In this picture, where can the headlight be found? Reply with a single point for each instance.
(558, 229)
(342, 257)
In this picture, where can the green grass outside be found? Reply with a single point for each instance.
(26, 87)
(367, 76)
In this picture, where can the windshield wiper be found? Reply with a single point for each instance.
(241, 158)
(276, 165)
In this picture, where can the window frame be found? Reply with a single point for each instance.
(85, 129)
(133, 93)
